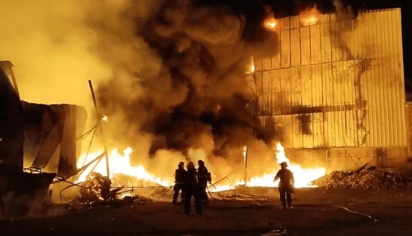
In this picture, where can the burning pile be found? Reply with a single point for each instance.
(364, 179)
(95, 188)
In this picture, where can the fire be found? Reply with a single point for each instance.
(105, 118)
(120, 164)
(270, 23)
(251, 68)
(310, 17)
(303, 177)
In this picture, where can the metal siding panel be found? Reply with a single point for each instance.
(295, 47)
(336, 49)
(285, 22)
(371, 89)
(306, 86)
(286, 86)
(258, 65)
(317, 85)
(331, 129)
(391, 117)
(350, 127)
(305, 45)
(308, 138)
(325, 42)
(297, 135)
(400, 70)
(296, 87)
(294, 22)
(343, 128)
(288, 124)
(315, 44)
(337, 96)
(285, 47)
(327, 84)
(385, 106)
(266, 79)
(276, 93)
(276, 58)
(337, 128)
(391, 73)
(318, 132)
(267, 64)
(397, 71)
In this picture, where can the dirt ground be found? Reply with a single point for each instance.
(245, 211)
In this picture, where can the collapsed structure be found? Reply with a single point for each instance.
(44, 135)
(335, 93)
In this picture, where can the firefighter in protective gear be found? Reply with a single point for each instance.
(192, 189)
(203, 176)
(180, 177)
(286, 184)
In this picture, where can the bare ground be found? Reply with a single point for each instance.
(236, 213)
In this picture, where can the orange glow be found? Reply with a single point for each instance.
(251, 67)
(105, 118)
(303, 177)
(270, 23)
(120, 164)
(310, 17)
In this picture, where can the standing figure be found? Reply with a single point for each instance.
(286, 184)
(180, 178)
(203, 176)
(192, 189)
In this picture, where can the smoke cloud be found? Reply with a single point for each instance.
(179, 88)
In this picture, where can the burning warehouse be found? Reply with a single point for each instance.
(334, 95)
(233, 100)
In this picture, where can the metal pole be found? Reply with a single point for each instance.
(245, 161)
(101, 129)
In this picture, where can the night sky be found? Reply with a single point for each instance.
(253, 11)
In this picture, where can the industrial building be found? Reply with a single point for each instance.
(334, 95)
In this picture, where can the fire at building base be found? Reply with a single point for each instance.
(326, 98)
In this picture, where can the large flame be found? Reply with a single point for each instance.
(302, 176)
(120, 164)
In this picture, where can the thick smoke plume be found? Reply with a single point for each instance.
(180, 82)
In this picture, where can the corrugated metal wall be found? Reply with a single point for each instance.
(336, 83)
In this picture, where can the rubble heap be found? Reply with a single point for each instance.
(364, 179)
(95, 188)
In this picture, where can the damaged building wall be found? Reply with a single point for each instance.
(338, 86)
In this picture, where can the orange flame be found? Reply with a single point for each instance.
(270, 23)
(310, 16)
(120, 164)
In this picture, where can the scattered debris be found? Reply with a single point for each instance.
(365, 179)
(95, 188)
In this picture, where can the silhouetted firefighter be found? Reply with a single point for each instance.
(286, 184)
(180, 177)
(203, 176)
(192, 189)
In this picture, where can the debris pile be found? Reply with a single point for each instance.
(95, 188)
(364, 179)
(97, 191)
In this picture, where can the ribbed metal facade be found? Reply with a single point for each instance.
(337, 83)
